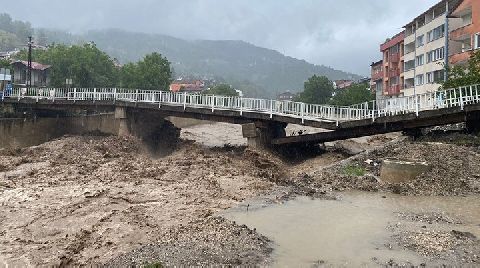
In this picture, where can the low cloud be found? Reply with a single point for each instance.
(344, 34)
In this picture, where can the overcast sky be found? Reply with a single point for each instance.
(344, 34)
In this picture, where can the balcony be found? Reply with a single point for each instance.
(460, 58)
(395, 57)
(394, 72)
(462, 32)
(392, 90)
(377, 76)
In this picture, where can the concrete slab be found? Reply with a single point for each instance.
(397, 171)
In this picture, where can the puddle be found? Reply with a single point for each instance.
(351, 231)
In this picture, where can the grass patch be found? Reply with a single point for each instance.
(354, 170)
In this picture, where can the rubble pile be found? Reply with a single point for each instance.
(83, 200)
(455, 171)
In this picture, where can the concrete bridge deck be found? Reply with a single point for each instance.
(259, 116)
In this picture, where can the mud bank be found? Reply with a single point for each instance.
(87, 200)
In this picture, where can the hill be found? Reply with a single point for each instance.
(237, 62)
(259, 72)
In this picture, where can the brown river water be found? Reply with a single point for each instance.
(354, 230)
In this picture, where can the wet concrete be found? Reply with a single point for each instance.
(355, 230)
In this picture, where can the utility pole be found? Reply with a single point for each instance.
(29, 67)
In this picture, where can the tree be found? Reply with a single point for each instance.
(4, 63)
(153, 72)
(86, 65)
(317, 90)
(8, 41)
(459, 76)
(354, 94)
(222, 90)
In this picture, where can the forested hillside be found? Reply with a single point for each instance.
(259, 72)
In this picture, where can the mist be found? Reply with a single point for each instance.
(343, 34)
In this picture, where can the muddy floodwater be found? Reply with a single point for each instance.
(355, 230)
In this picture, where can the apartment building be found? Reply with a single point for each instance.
(466, 36)
(426, 48)
(393, 50)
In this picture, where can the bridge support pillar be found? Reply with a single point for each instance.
(121, 117)
(473, 122)
(260, 134)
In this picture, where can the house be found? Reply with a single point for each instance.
(187, 85)
(341, 84)
(40, 77)
(286, 96)
(5, 78)
(466, 35)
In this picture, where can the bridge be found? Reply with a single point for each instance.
(263, 121)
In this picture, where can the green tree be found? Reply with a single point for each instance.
(459, 76)
(222, 90)
(354, 94)
(8, 41)
(317, 90)
(153, 72)
(85, 64)
(4, 63)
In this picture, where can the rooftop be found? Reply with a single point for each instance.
(35, 65)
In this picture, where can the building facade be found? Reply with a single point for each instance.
(187, 85)
(465, 37)
(376, 83)
(392, 51)
(427, 47)
(286, 96)
(40, 77)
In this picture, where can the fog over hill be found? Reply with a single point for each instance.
(259, 71)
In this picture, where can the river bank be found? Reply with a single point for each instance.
(102, 200)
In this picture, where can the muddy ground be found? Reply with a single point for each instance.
(85, 200)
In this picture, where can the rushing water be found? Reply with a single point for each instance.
(351, 231)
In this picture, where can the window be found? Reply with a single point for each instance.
(419, 80)
(436, 33)
(467, 19)
(409, 65)
(477, 41)
(429, 78)
(394, 81)
(420, 41)
(429, 36)
(438, 76)
(394, 49)
(436, 54)
(419, 60)
(467, 43)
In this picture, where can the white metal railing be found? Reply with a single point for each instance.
(458, 97)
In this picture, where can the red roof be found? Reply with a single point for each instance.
(35, 65)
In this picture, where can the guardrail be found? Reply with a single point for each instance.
(368, 110)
